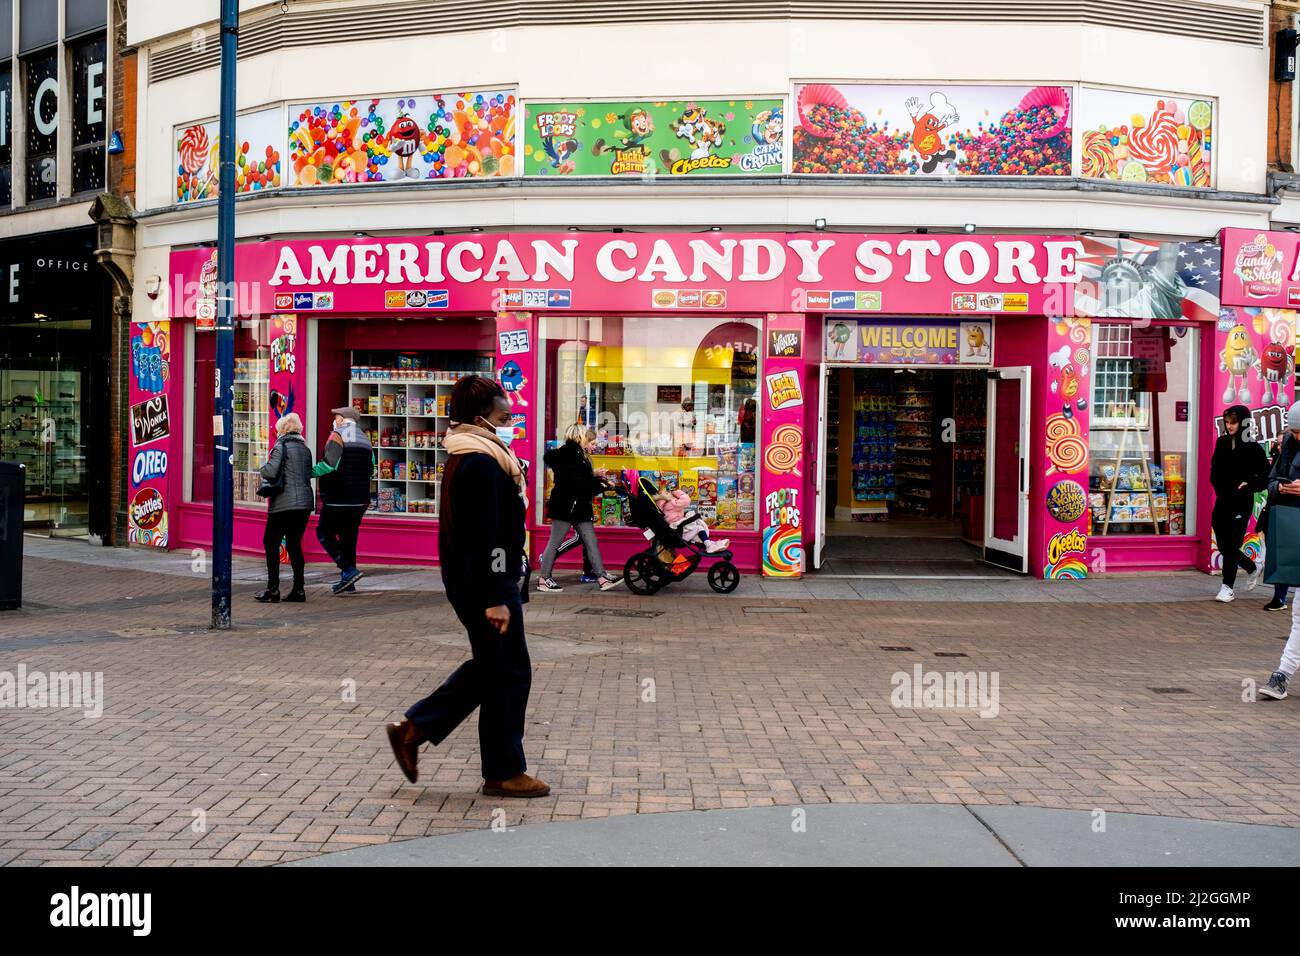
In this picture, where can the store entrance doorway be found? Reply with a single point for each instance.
(922, 474)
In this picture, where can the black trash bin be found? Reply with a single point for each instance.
(13, 481)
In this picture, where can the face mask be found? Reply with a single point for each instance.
(505, 433)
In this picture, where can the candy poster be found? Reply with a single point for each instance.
(1146, 138)
(1261, 268)
(151, 442)
(1254, 364)
(932, 130)
(1146, 279)
(644, 138)
(258, 141)
(437, 136)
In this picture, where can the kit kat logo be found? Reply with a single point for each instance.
(283, 301)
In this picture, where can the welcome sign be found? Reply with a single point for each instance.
(863, 341)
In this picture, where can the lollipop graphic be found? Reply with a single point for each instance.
(1066, 448)
(193, 149)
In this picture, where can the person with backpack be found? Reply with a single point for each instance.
(1238, 469)
(287, 477)
(1284, 491)
(344, 472)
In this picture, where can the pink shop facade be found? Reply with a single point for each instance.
(778, 378)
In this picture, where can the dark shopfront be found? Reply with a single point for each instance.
(54, 387)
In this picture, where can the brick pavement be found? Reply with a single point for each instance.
(751, 708)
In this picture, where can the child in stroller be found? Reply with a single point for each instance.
(670, 556)
(679, 512)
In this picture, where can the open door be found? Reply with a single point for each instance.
(819, 509)
(1006, 477)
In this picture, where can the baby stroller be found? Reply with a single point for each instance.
(670, 557)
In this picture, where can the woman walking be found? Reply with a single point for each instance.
(1284, 491)
(576, 484)
(289, 465)
(1238, 469)
(481, 550)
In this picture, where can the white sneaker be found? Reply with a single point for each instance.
(1225, 595)
(1253, 579)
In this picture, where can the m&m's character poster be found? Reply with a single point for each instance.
(932, 130)
(257, 162)
(439, 136)
(1146, 138)
(647, 138)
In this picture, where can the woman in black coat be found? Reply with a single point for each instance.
(569, 506)
(1238, 469)
(288, 509)
(481, 551)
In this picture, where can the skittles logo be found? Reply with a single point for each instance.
(1066, 501)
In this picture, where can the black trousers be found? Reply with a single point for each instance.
(337, 532)
(496, 680)
(1229, 533)
(290, 526)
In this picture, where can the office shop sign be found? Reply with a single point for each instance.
(748, 271)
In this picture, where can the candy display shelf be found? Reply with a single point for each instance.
(250, 426)
(913, 423)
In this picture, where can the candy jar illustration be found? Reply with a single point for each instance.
(1275, 368)
(1237, 357)
(928, 122)
(404, 140)
(1066, 380)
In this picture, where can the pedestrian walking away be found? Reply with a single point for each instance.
(481, 549)
(1280, 591)
(344, 471)
(576, 483)
(287, 486)
(1238, 469)
(1284, 492)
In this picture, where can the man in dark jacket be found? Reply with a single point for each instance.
(344, 472)
(1238, 469)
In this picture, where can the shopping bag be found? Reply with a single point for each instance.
(1282, 556)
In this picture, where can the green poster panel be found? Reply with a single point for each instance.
(646, 138)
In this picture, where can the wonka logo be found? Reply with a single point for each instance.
(74, 908)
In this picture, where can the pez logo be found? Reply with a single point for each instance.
(149, 463)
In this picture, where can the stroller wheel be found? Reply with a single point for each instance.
(724, 577)
(641, 574)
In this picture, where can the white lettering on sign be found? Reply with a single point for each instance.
(876, 260)
(94, 93)
(48, 87)
(13, 282)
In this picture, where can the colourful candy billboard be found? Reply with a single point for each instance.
(427, 136)
(645, 138)
(938, 129)
(1146, 137)
(258, 141)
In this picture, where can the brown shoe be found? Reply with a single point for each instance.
(406, 747)
(519, 786)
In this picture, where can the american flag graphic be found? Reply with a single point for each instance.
(1136, 278)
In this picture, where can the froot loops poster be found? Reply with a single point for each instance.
(932, 130)
(1146, 138)
(258, 141)
(454, 135)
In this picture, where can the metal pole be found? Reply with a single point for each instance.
(223, 515)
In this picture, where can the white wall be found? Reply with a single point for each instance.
(755, 58)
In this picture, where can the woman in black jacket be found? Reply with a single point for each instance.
(1238, 469)
(481, 551)
(289, 508)
(576, 484)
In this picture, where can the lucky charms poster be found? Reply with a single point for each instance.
(648, 138)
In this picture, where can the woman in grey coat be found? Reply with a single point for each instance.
(289, 509)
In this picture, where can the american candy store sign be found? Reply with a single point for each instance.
(743, 271)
